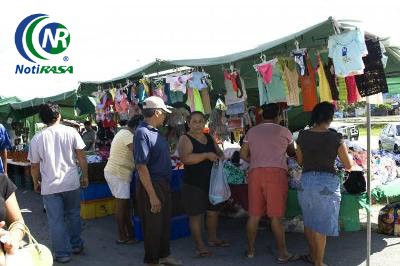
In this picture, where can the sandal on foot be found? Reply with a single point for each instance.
(126, 242)
(249, 255)
(204, 254)
(291, 258)
(307, 258)
(219, 244)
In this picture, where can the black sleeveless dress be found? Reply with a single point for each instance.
(198, 175)
(196, 181)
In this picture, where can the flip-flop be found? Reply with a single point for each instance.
(170, 262)
(204, 254)
(307, 258)
(219, 244)
(249, 255)
(292, 258)
(126, 242)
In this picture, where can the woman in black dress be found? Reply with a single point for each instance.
(198, 151)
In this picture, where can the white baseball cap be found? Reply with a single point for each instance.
(154, 102)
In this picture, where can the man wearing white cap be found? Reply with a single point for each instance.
(153, 164)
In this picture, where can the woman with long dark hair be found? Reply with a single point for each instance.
(319, 194)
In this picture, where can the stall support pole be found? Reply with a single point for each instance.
(368, 182)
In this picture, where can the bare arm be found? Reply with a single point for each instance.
(219, 151)
(145, 179)
(13, 214)
(3, 155)
(35, 173)
(80, 155)
(245, 152)
(299, 155)
(186, 155)
(344, 156)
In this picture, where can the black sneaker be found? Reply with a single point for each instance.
(63, 259)
(77, 250)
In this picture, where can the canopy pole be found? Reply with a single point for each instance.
(368, 181)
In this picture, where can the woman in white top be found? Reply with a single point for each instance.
(118, 174)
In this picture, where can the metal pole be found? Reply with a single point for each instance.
(368, 181)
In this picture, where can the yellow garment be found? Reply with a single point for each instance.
(120, 163)
(292, 80)
(198, 104)
(146, 86)
(325, 94)
(205, 97)
(342, 89)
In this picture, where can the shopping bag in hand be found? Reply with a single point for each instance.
(219, 188)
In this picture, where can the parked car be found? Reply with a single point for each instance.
(349, 131)
(389, 139)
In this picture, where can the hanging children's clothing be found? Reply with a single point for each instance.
(346, 51)
(292, 82)
(352, 91)
(194, 100)
(309, 88)
(205, 98)
(373, 80)
(331, 77)
(324, 89)
(177, 83)
(198, 80)
(276, 89)
(234, 96)
(300, 57)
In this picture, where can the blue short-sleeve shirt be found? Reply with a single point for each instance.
(152, 150)
(4, 144)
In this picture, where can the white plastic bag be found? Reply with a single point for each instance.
(219, 187)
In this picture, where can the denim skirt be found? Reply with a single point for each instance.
(319, 198)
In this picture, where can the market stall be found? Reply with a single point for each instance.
(296, 71)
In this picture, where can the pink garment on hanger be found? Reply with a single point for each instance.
(121, 103)
(352, 91)
(266, 71)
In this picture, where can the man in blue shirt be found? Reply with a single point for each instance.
(153, 164)
(4, 145)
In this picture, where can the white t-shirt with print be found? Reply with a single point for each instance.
(55, 149)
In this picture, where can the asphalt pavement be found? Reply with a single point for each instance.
(101, 250)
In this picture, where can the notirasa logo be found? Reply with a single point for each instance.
(37, 40)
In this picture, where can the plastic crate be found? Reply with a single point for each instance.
(179, 227)
(96, 191)
(97, 208)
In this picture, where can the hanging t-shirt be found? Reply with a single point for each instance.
(276, 89)
(197, 80)
(352, 92)
(309, 88)
(292, 82)
(324, 88)
(262, 90)
(330, 76)
(373, 80)
(347, 50)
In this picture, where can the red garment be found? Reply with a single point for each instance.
(309, 88)
(352, 91)
(107, 123)
(232, 77)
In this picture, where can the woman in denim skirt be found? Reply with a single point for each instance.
(319, 193)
